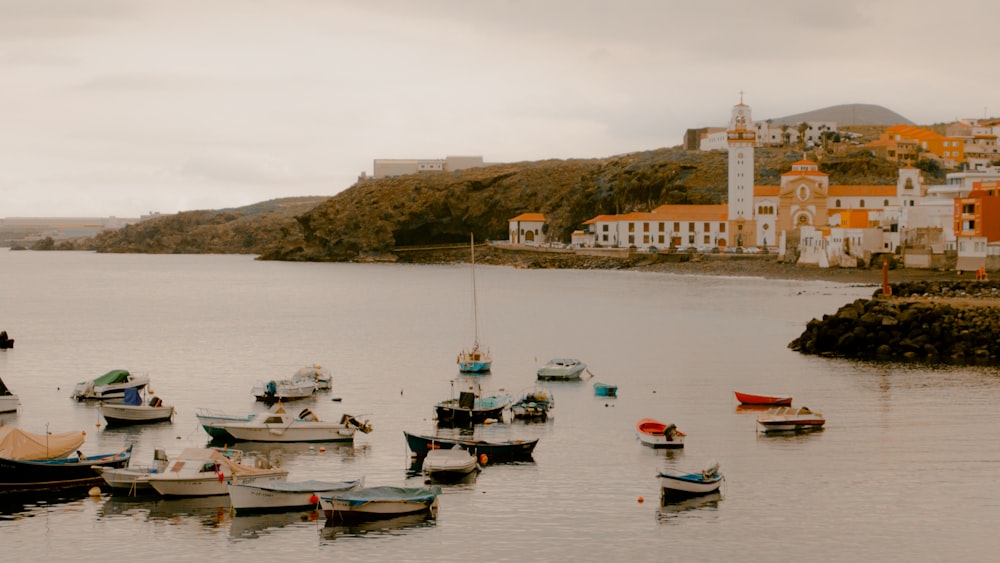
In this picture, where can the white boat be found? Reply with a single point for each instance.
(790, 419)
(111, 385)
(299, 386)
(199, 472)
(380, 502)
(656, 434)
(561, 369)
(285, 495)
(133, 411)
(8, 400)
(278, 425)
(675, 485)
(475, 359)
(213, 421)
(448, 465)
(321, 377)
(134, 479)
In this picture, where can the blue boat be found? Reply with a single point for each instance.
(61, 473)
(380, 502)
(474, 360)
(605, 390)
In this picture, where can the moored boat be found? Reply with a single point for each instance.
(301, 385)
(656, 434)
(675, 485)
(495, 450)
(380, 502)
(214, 422)
(61, 473)
(8, 400)
(561, 369)
(5, 341)
(472, 407)
(16, 443)
(133, 479)
(449, 465)
(535, 404)
(133, 411)
(111, 385)
(605, 389)
(762, 400)
(207, 471)
(278, 425)
(790, 419)
(273, 496)
(474, 359)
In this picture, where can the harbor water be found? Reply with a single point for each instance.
(905, 469)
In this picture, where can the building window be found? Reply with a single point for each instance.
(837, 203)
(708, 228)
(604, 238)
(722, 227)
(690, 227)
(645, 239)
(677, 227)
(645, 227)
(661, 237)
(661, 230)
(631, 239)
(605, 228)
(690, 239)
(708, 239)
(631, 227)
(885, 203)
(862, 204)
(969, 208)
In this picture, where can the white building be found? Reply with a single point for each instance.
(527, 228)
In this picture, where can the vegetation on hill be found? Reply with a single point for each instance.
(370, 219)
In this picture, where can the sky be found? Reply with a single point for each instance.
(126, 107)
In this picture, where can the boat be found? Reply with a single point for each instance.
(322, 378)
(533, 405)
(495, 451)
(790, 419)
(449, 465)
(275, 496)
(561, 369)
(763, 400)
(8, 400)
(213, 422)
(16, 443)
(380, 502)
(278, 425)
(605, 390)
(675, 485)
(656, 434)
(472, 407)
(199, 472)
(18, 475)
(111, 385)
(5, 341)
(133, 411)
(133, 480)
(299, 386)
(475, 359)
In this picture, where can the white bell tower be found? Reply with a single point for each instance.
(742, 139)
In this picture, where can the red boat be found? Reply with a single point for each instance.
(747, 399)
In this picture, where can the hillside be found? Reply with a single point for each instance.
(370, 219)
(846, 115)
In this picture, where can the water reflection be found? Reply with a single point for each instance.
(14, 506)
(674, 510)
(397, 525)
(210, 511)
(252, 526)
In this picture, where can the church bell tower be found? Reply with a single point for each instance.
(742, 138)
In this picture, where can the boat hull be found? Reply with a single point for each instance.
(334, 433)
(605, 390)
(474, 366)
(8, 403)
(86, 391)
(762, 400)
(787, 419)
(680, 487)
(123, 415)
(452, 413)
(561, 370)
(51, 474)
(655, 434)
(208, 485)
(515, 450)
(366, 504)
(281, 496)
(449, 465)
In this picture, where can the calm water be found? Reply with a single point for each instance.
(906, 469)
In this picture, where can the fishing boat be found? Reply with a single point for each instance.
(475, 359)
(278, 425)
(198, 472)
(275, 496)
(656, 434)
(449, 465)
(5, 341)
(134, 479)
(790, 419)
(495, 451)
(763, 400)
(8, 400)
(675, 485)
(472, 407)
(214, 422)
(322, 378)
(534, 405)
(380, 502)
(59, 473)
(561, 369)
(134, 411)
(16, 443)
(299, 386)
(605, 389)
(111, 385)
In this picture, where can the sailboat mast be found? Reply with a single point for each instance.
(475, 301)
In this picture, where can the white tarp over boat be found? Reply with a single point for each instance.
(20, 444)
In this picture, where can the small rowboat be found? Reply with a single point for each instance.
(276, 496)
(679, 486)
(380, 502)
(449, 465)
(763, 400)
(605, 390)
(788, 419)
(656, 434)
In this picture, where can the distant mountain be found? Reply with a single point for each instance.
(845, 115)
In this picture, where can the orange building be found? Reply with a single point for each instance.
(951, 150)
(978, 214)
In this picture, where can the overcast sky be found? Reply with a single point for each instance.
(122, 107)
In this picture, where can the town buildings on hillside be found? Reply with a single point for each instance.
(391, 167)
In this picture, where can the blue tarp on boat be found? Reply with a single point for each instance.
(132, 397)
(374, 494)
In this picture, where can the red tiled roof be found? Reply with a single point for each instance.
(529, 217)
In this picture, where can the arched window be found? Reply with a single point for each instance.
(862, 203)
(885, 203)
(838, 203)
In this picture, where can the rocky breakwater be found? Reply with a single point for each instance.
(933, 322)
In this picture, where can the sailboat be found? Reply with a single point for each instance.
(475, 359)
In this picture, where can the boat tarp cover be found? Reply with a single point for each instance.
(209, 454)
(311, 486)
(373, 494)
(113, 376)
(132, 397)
(19, 444)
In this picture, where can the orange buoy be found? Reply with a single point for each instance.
(322, 449)
(641, 500)
(313, 499)
(483, 459)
